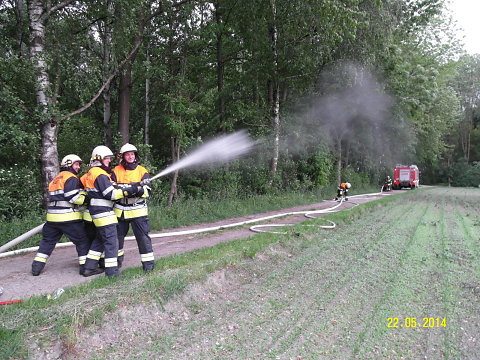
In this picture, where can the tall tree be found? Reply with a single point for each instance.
(39, 14)
(274, 90)
(467, 86)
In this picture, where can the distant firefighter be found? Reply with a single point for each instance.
(342, 190)
(387, 185)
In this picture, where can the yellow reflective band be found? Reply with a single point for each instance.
(64, 217)
(94, 255)
(121, 252)
(81, 259)
(111, 262)
(130, 214)
(118, 212)
(147, 257)
(106, 220)
(87, 216)
(40, 259)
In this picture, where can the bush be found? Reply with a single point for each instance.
(464, 174)
(79, 135)
(357, 179)
(20, 191)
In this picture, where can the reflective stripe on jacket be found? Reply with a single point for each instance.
(99, 187)
(65, 191)
(131, 207)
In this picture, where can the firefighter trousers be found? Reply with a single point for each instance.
(105, 241)
(52, 232)
(141, 228)
(341, 192)
(91, 231)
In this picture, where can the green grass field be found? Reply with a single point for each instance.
(398, 278)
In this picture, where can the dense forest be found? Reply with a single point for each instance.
(329, 89)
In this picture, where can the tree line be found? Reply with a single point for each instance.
(332, 89)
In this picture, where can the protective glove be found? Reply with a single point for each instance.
(140, 191)
(130, 191)
(146, 182)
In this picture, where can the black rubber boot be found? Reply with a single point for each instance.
(148, 267)
(112, 272)
(37, 267)
(81, 270)
(91, 272)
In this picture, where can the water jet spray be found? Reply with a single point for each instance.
(219, 150)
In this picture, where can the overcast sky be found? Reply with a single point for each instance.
(467, 13)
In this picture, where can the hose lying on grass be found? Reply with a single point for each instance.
(256, 228)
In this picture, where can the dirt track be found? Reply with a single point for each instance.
(61, 270)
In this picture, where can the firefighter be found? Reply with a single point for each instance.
(342, 190)
(133, 210)
(90, 229)
(388, 184)
(102, 192)
(64, 217)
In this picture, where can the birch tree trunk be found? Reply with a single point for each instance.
(175, 147)
(275, 97)
(125, 89)
(107, 116)
(38, 19)
(339, 159)
(147, 102)
(465, 130)
(106, 31)
(220, 66)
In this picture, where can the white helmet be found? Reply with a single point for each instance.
(101, 152)
(348, 185)
(69, 159)
(127, 147)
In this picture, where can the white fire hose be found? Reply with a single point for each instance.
(255, 228)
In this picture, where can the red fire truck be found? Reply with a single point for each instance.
(406, 176)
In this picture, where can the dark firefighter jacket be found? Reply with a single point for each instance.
(102, 193)
(65, 192)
